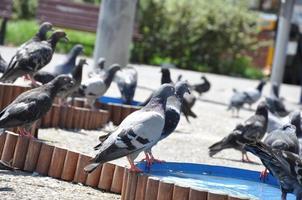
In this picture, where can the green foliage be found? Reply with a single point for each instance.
(196, 34)
(25, 9)
(20, 31)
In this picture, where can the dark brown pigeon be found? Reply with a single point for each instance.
(32, 57)
(31, 105)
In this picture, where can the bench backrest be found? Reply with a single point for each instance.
(67, 14)
(6, 7)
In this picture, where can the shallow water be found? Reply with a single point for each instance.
(231, 186)
(226, 180)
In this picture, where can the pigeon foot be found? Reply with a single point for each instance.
(264, 175)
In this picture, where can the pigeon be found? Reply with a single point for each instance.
(284, 165)
(41, 35)
(188, 103)
(172, 115)
(3, 64)
(253, 129)
(254, 94)
(275, 104)
(33, 104)
(202, 87)
(95, 87)
(127, 81)
(236, 102)
(137, 132)
(32, 58)
(50, 72)
(166, 76)
(283, 138)
(76, 74)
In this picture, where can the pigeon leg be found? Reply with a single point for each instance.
(148, 160)
(154, 159)
(264, 174)
(28, 133)
(245, 158)
(133, 168)
(33, 81)
(20, 132)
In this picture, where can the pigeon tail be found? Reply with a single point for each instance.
(217, 147)
(9, 71)
(227, 142)
(91, 167)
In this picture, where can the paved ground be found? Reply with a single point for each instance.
(189, 143)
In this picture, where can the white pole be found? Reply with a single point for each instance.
(284, 23)
(114, 32)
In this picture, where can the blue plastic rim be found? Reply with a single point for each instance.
(228, 180)
(106, 99)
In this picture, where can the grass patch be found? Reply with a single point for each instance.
(19, 31)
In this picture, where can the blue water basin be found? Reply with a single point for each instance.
(231, 181)
(106, 99)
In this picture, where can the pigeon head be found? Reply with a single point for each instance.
(56, 36)
(166, 90)
(181, 88)
(295, 119)
(43, 29)
(165, 71)
(77, 50)
(101, 63)
(179, 77)
(62, 82)
(82, 62)
(114, 68)
(261, 85)
(275, 89)
(262, 109)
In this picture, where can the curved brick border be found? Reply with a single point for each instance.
(58, 117)
(36, 156)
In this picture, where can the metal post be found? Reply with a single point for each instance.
(286, 11)
(114, 32)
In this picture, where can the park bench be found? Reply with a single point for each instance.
(5, 13)
(67, 14)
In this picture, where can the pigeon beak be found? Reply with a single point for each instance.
(66, 39)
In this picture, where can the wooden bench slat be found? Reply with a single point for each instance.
(68, 17)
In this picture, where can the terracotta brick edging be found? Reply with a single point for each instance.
(36, 156)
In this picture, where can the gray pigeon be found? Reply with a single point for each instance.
(254, 94)
(136, 133)
(3, 64)
(285, 166)
(33, 104)
(253, 129)
(66, 67)
(236, 102)
(96, 86)
(127, 81)
(32, 57)
(283, 138)
(76, 74)
(275, 104)
(172, 115)
(250, 96)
